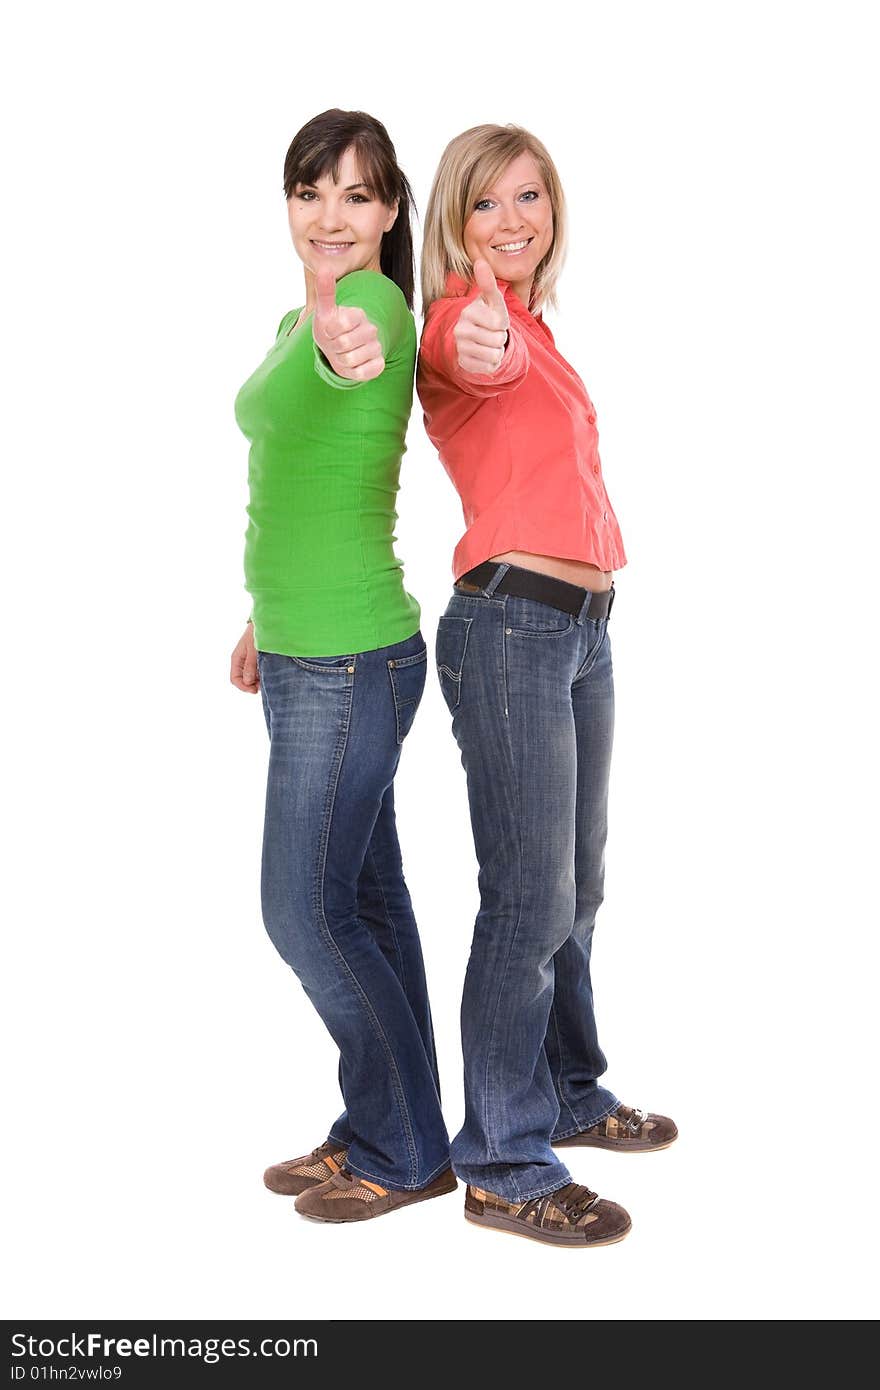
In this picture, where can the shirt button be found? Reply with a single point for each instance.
(595, 468)
(604, 516)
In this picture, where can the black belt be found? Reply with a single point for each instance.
(543, 588)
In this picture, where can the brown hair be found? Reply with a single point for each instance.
(317, 149)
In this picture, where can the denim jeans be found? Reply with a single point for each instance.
(531, 693)
(335, 903)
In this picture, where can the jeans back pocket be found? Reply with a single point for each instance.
(407, 675)
(451, 645)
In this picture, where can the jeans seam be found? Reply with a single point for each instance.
(561, 1062)
(504, 661)
(389, 919)
(360, 992)
(383, 1182)
(490, 1149)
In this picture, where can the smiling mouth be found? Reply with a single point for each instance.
(334, 247)
(513, 248)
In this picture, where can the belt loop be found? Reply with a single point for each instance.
(585, 609)
(610, 601)
(500, 571)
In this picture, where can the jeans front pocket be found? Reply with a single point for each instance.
(452, 639)
(407, 675)
(526, 617)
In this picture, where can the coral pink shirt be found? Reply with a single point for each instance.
(520, 445)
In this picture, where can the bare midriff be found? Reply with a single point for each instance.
(572, 571)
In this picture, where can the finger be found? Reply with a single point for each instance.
(467, 331)
(370, 370)
(360, 336)
(470, 364)
(236, 676)
(480, 353)
(467, 363)
(359, 356)
(488, 285)
(325, 288)
(478, 312)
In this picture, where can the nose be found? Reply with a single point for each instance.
(331, 217)
(510, 219)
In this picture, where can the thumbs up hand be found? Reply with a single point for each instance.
(344, 334)
(481, 332)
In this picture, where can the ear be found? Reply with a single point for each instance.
(392, 215)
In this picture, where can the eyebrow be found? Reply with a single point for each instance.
(349, 188)
(528, 183)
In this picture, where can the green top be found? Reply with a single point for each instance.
(323, 474)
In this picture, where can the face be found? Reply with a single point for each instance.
(340, 224)
(511, 223)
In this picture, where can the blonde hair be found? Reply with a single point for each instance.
(468, 166)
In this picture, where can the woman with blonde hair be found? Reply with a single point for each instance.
(524, 660)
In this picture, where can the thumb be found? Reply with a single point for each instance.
(488, 285)
(325, 286)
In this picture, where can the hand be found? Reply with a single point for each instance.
(481, 332)
(345, 335)
(243, 672)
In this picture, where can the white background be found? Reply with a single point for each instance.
(721, 302)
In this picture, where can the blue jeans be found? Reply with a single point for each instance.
(335, 902)
(531, 693)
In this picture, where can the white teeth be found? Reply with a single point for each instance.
(512, 245)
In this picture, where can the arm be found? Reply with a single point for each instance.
(439, 350)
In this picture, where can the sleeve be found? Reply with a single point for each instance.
(384, 305)
(438, 351)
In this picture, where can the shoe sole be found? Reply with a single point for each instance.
(633, 1146)
(401, 1206)
(515, 1228)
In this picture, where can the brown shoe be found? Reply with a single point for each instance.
(572, 1215)
(346, 1197)
(626, 1129)
(299, 1173)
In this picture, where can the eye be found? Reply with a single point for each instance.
(483, 205)
(306, 194)
(358, 198)
(531, 194)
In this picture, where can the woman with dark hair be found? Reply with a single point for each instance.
(524, 658)
(333, 645)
